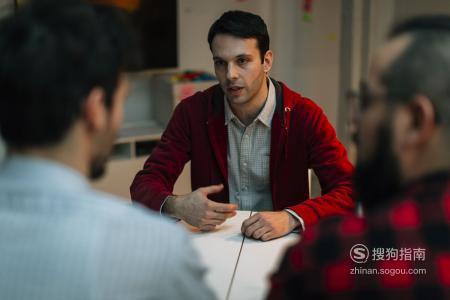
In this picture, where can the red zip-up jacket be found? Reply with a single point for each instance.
(301, 138)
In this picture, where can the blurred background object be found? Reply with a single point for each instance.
(155, 22)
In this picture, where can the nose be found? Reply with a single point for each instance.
(232, 72)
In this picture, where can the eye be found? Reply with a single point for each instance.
(219, 63)
(242, 60)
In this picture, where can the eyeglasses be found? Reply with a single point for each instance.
(363, 98)
(358, 102)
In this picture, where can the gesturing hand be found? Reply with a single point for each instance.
(197, 210)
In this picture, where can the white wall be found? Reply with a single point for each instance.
(195, 18)
(307, 53)
(409, 8)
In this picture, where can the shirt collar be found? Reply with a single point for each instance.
(266, 114)
(42, 172)
(229, 115)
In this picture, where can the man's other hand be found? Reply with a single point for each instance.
(269, 225)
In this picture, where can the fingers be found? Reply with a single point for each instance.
(259, 233)
(220, 211)
(212, 221)
(250, 230)
(257, 227)
(254, 227)
(212, 189)
(208, 227)
(267, 236)
(228, 208)
(210, 214)
(212, 218)
(205, 213)
(249, 222)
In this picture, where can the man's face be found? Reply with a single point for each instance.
(105, 140)
(239, 69)
(378, 173)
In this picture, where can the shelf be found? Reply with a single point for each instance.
(136, 140)
(140, 132)
(148, 110)
(121, 151)
(145, 148)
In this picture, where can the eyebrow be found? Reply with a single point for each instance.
(236, 57)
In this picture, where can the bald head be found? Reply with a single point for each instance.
(415, 60)
(383, 59)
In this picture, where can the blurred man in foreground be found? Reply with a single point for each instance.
(63, 88)
(401, 249)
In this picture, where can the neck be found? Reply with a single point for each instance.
(70, 152)
(247, 112)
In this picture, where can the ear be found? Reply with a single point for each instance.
(422, 124)
(268, 59)
(94, 112)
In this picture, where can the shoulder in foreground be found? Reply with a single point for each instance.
(115, 210)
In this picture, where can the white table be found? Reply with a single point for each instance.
(238, 267)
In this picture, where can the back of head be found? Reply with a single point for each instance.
(52, 53)
(424, 66)
(244, 25)
(408, 139)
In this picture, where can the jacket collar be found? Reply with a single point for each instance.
(217, 131)
(216, 105)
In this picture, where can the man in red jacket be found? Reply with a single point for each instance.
(251, 141)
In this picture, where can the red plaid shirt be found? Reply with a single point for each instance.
(404, 251)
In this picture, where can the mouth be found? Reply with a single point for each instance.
(234, 90)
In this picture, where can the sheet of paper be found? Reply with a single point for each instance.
(219, 251)
(256, 263)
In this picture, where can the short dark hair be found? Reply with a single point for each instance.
(52, 53)
(424, 66)
(244, 25)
